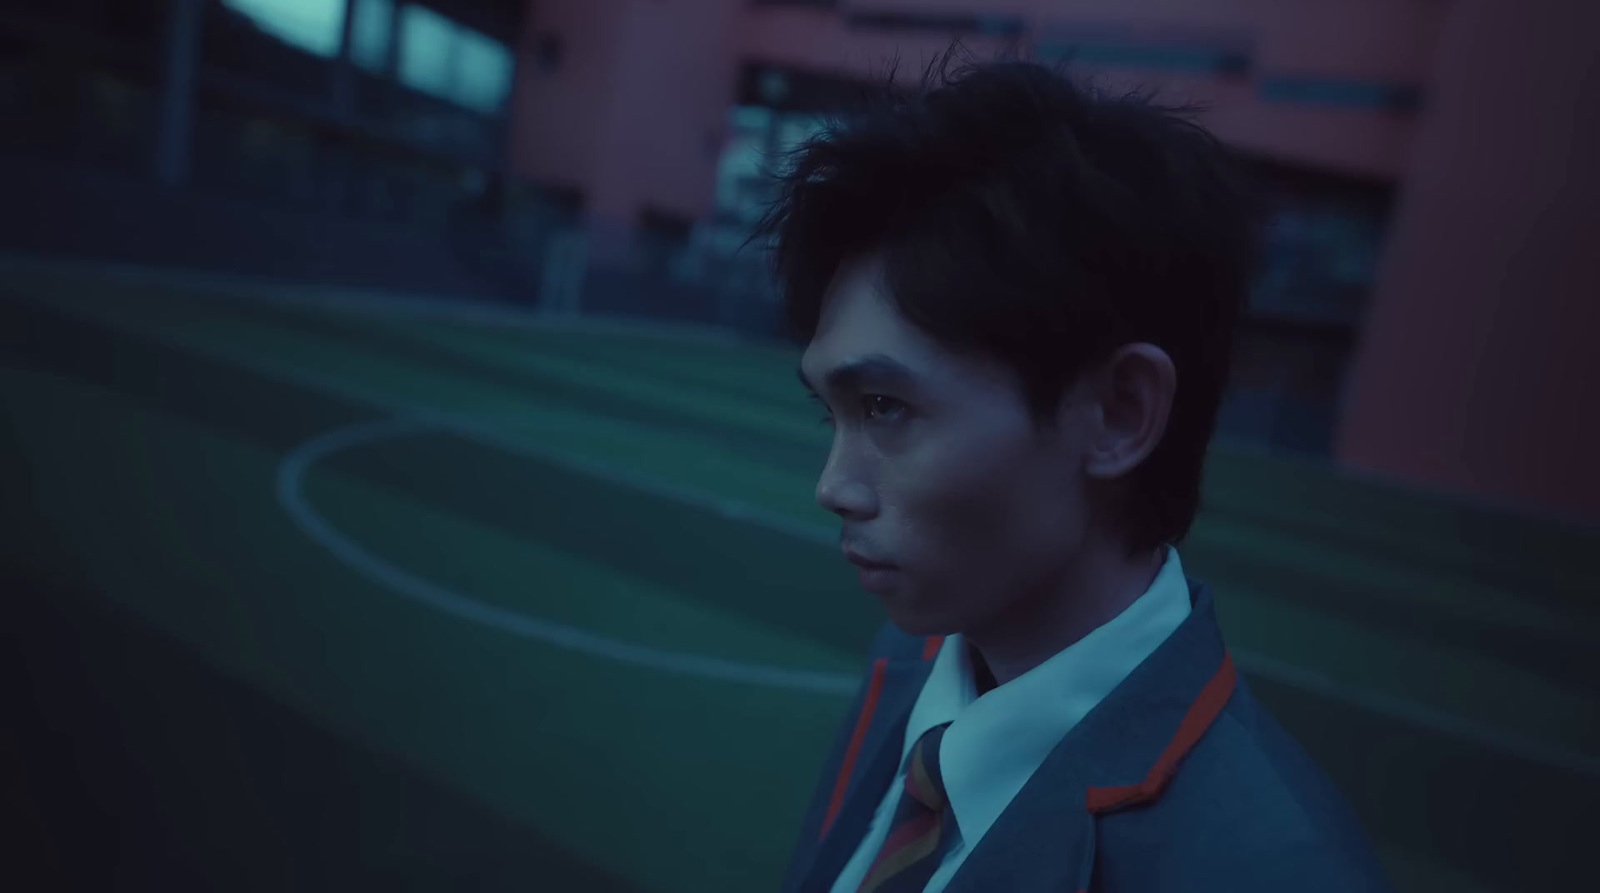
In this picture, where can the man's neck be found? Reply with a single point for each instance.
(1037, 629)
(982, 678)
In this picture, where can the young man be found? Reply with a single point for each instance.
(1019, 297)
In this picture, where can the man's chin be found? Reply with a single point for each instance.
(919, 623)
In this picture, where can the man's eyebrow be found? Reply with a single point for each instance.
(875, 369)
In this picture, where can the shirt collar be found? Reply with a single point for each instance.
(997, 741)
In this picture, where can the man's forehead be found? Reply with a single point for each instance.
(856, 304)
(859, 320)
(853, 339)
(861, 330)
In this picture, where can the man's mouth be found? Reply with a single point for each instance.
(865, 563)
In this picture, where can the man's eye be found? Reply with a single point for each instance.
(881, 408)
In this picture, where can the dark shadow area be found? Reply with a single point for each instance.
(133, 765)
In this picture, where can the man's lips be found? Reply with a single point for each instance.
(865, 563)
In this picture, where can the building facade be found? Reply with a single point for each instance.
(1427, 289)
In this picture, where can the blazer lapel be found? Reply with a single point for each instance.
(1121, 754)
(876, 764)
(1044, 841)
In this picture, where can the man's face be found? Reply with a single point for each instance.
(937, 469)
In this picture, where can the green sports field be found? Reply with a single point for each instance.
(312, 589)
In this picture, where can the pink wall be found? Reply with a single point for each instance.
(557, 116)
(1372, 40)
(633, 116)
(1478, 367)
(674, 82)
(1380, 40)
(818, 39)
(1475, 357)
(634, 112)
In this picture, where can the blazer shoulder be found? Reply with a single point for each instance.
(1247, 810)
(1252, 743)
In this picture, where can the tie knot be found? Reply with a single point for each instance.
(924, 779)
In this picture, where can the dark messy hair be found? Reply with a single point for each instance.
(1044, 223)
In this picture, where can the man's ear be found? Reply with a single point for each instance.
(1133, 390)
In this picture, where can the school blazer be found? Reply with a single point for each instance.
(1178, 781)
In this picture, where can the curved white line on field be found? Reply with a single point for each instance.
(291, 495)
(292, 471)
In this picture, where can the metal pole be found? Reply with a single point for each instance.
(392, 60)
(344, 84)
(566, 265)
(175, 134)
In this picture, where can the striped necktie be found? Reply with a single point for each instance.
(923, 825)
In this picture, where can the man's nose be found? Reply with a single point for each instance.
(844, 493)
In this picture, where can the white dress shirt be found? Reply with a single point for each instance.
(996, 742)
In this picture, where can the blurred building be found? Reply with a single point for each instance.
(274, 136)
(1429, 286)
(1422, 315)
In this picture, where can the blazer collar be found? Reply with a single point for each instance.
(1122, 753)
(868, 772)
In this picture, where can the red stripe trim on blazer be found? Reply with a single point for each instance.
(1205, 709)
(869, 707)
